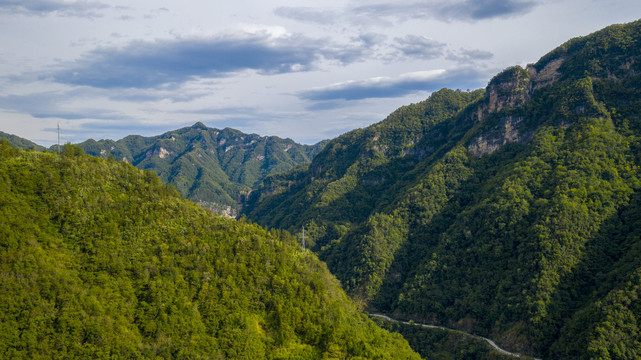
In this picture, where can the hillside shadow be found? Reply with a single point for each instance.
(611, 256)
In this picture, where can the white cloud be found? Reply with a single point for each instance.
(391, 87)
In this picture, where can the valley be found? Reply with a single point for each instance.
(507, 219)
(490, 342)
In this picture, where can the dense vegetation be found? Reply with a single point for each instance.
(436, 344)
(357, 171)
(209, 166)
(513, 212)
(101, 260)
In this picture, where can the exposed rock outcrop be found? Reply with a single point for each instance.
(547, 76)
(505, 133)
(510, 88)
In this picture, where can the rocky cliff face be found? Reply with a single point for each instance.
(547, 76)
(508, 90)
(505, 133)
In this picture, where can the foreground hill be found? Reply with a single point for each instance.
(513, 212)
(101, 260)
(209, 166)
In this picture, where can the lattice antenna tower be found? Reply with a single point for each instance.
(302, 238)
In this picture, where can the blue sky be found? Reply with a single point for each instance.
(307, 70)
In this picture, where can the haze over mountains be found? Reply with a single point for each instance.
(513, 212)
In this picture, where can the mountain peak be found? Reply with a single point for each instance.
(199, 125)
(210, 166)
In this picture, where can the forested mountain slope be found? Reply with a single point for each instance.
(21, 142)
(101, 260)
(210, 166)
(514, 213)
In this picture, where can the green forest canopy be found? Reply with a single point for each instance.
(513, 212)
(100, 260)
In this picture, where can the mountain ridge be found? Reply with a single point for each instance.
(22, 143)
(209, 166)
(215, 168)
(487, 218)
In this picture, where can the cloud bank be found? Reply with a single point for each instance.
(475, 10)
(307, 14)
(465, 10)
(45, 105)
(59, 7)
(145, 64)
(387, 87)
(419, 46)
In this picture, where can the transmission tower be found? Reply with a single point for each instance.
(302, 238)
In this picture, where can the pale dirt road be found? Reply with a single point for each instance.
(489, 341)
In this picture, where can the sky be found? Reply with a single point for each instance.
(305, 70)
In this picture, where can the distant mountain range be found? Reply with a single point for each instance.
(22, 143)
(513, 212)
(212, 167)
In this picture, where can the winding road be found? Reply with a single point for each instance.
(489, 341)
